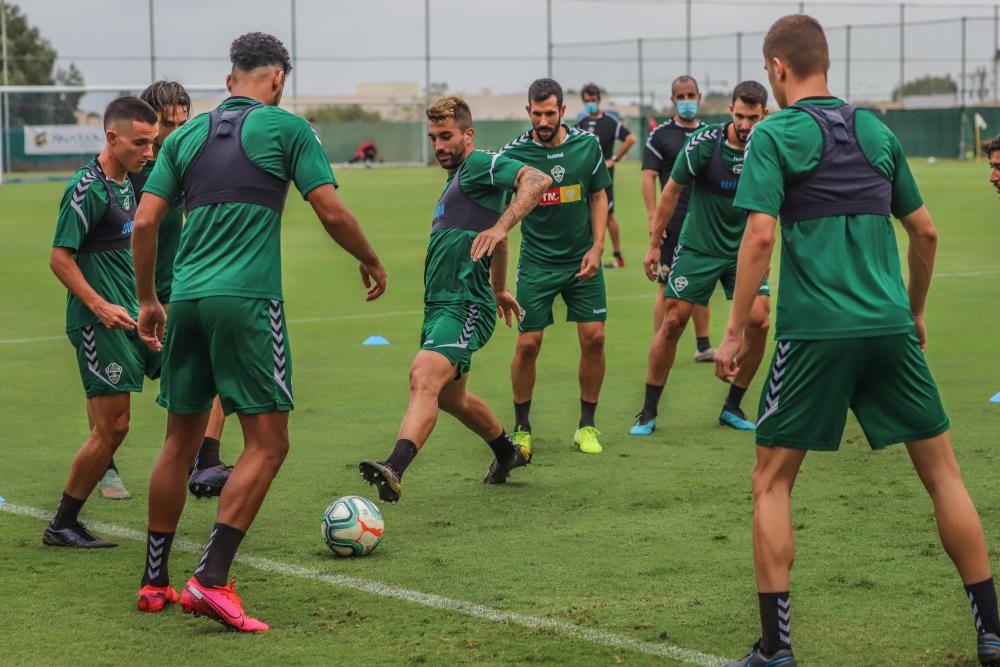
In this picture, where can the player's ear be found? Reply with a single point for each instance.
(111, 135)
(229, 82)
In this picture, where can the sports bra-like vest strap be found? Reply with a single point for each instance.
(716, 177)
(114, 230)
(457, 210)
(223, 174)
(845, 182)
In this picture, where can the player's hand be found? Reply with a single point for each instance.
(486, 241)
(113, 316)
(590, 264)
(152, 321)
(651, 262)
(610, 164)
(726, 366)
(508, 308)
(373, 277)
(921, 331)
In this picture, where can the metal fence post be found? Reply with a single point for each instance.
(996, 50)
(739, 57)
(427, 78)
(295, 64)
(548, 35)
(961, 85)
(902, 51)
(642, 93)
(847, 91)
(152, 44)
(687, 41)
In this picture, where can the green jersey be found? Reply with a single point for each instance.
(711, 168)
(840, 275)
(99, 241)
(234, 249)
(469, 204)
(557, 233)
(169, 236)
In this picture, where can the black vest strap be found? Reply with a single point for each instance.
(845, 182)
(716, 177)
(457, 210)
(222, 173)
(114, 230)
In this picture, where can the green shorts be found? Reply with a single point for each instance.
(884, 380)
(231, 346)
(693, 276)
(456, 331)
(112, 361)
(586, 300)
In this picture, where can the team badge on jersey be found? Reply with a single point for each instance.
(738, 168)
(558, 172)
(114, 372)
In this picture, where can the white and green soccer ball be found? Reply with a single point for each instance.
(352, 526)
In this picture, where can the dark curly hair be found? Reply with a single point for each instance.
(165, 94)
(990, 146)
(257, 49)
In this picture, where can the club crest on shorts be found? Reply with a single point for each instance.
(680, 282)
(114, 372)
(558, 172)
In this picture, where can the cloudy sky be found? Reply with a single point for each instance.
(479, 44)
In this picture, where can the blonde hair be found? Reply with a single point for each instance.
(451, 108)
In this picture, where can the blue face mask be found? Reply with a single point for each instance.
(687, 109)
(591, 108)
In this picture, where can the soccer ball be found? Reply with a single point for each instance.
(352, 526)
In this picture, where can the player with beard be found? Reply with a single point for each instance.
(561, 245)
(465, 290)
(709, 242)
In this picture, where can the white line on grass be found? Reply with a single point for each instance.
(410, 313)
(570, 630)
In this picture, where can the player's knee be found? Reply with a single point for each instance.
(673, 325)
(764, 481)
(592, 340)
(528, 348)
(112, 431)
(421, 382)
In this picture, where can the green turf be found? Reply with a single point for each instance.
(650, 541)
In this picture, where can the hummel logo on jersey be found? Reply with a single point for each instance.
(558, 172)
(680, 282)
(114, 372)
(555, 156)
(429, 341)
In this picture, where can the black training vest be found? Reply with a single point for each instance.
(716, 177)
(457, 210)
(222, 173)
(845, 182)
(114, 230)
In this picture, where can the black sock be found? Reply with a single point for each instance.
(983, 598)
(502, 446)
(652, 402)
(618, 255)
(208, 455)
(213, 570)
(521, 420)
(67, 513)
(587, 411)
(111, 465)
(157, 554)
(735, 396)
(402, 456)
(703, 343)
(774, 622)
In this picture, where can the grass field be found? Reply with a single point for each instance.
(639, 556)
